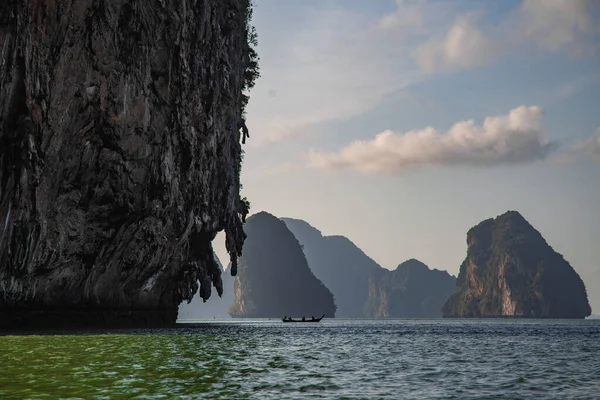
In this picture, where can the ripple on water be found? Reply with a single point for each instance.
(335, 359)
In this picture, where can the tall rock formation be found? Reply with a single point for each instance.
(274, 279)
(412, 290)
(343, 267)
(119, 155)
(510, 271)
(215, 306)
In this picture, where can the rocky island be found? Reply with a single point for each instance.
(274, 279)
(120, 153)
(339, 264)
(364, 289)
(412, 290)
(510, 271)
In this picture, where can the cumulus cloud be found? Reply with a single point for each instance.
(590, 146)
(323, 61)
(551, 25)
(554, 24)
(464, 46)
(507, 139)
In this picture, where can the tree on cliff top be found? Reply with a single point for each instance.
(252, 71)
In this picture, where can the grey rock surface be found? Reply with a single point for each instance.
(120, 156)
(511, 271)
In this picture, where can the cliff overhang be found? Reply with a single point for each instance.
(121, 125)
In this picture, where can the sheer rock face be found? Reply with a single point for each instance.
(510, 271)
(274, 279)
(119, 156)
(216, 306)
(362, 288)
(343, 267)
(412, 290)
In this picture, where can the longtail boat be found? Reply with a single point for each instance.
(286, 319)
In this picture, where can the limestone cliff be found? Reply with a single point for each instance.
(412, 290)
(119, 155)
(342, 266)
(215, 306)
(274, 279)
(510, 271)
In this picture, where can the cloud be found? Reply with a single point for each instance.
(590, 146)
(508, 139)
(334, 64)
(406, 16)
(463, 46)
(552, 25)
(555, 24)
(324, 61)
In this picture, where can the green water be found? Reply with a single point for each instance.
(157, 366)
(395, 359)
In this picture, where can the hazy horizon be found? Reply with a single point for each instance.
(402, 124)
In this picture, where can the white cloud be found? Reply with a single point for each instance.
(508, 139)
(464, 46)
(555, 24)
(406, 16)
(337, 65)
(552, 25)
(590, 146)
(333, 63)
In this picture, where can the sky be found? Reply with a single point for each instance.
(402, 124)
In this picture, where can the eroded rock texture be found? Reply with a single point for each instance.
(119, 156)
(510, 271)
(215, 307)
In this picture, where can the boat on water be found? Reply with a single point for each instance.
(313, 319)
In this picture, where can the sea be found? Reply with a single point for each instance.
(333, 359)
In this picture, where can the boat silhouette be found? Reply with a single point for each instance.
(313, 319)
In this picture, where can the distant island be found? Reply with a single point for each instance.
(274, 278)
(412, 290)
(362, 288)
(510, 271)
(290, 268)
(339, 264)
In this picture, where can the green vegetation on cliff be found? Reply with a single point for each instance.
(510, 270)
(274, 278)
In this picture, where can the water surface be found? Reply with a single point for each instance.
(262, 359)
